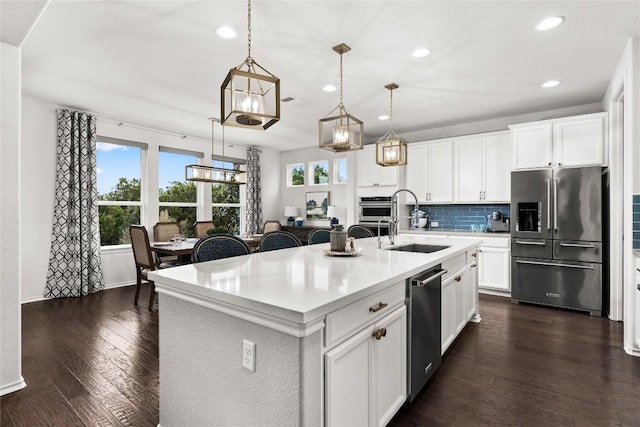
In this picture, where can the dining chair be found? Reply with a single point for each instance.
(144, 260)
(275, 240)
(163, 232)
(270, 226)
(200, 228)
(319, 236)
(359, 232)
(218, 246)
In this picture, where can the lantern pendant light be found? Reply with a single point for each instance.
(339, 130)
(250, 95)
(217, 175)
(391, 150)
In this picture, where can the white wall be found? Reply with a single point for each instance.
(10, 192)
(339, 194)
(38, 153)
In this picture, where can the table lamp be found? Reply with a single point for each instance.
(291, 212)
(332, 214)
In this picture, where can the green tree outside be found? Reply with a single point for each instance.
(297, 175)
(320, 175)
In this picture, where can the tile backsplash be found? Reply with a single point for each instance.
(636, 221)
(461, 217)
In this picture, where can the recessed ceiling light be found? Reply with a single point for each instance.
(421, 52)
(226, 32)
(549, 23)
(329, 88)
(383, 117)
(551, 83)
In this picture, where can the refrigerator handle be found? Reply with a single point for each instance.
(555, 205)
(548, 204)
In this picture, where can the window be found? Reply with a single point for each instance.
(177, 198)
(295, 175)
(119, 166)
(225, 202)
(319, 171)
(340, 171)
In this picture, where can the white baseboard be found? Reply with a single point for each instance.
(495, 292)
(111, 286)
(15, 386)
(632, 351)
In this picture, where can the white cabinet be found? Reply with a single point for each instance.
(429, 171)
(366, 374)
(370, 174)
(566, 142)
(482, 172)
(494, 266)
(447, 332)
(471, 287)
(459, 301)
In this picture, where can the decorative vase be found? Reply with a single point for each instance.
(337, 238)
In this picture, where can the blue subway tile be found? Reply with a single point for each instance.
(636, 198)
(636, 244)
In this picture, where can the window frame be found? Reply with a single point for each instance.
(336, 170)
(290, 168)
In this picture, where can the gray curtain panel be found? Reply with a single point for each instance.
(75, 267)
(254, 192)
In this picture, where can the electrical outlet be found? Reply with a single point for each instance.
(249, 355)
(434, 223)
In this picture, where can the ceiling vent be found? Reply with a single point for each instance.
(291, 100)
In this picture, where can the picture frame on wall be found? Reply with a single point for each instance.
(316, 204)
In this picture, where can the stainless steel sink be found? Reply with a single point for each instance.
(417, 247)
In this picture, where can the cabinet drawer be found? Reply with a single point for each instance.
(345, 322)
(452, 265)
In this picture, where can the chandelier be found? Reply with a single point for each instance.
(213, 174)
(339, 130)
(250, 95)
(391, 150)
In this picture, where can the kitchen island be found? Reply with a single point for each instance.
(299, 307)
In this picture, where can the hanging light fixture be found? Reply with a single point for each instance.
(339, 130)
(219, 175)
(391, 150)
(250, 95)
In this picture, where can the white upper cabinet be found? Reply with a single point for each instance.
(370, 174)
(482, 169)
(429, 172)
(565, 142)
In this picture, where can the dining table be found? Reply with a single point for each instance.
(182, 249)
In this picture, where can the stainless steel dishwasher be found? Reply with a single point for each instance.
(424, 296)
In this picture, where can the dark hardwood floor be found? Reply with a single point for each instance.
(94, 361)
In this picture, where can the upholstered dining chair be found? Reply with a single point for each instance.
(164, 231)
(270, 226)
(319, 236)
(218, 246)
(200, 228)
(359, 232)
(275, 240)
(144, 260)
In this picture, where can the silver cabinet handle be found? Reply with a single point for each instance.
(549, 204)
(553, 264)
(518, 242)
(555, 204)
(422, 283)
(577, 245)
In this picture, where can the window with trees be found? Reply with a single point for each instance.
(319, 171)
(295, 175)
(177, 198)
(225, 202)
(119, 168)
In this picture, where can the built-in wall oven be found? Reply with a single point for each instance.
(371, 209)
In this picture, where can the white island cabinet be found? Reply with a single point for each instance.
(329, 333)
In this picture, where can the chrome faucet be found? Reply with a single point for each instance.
(379, 221)
(393, 224)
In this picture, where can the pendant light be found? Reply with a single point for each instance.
(391, 150)
(218, 175)
(250, 95)
(339, 130)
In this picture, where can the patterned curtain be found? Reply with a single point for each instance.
(75, 267)
(254, 191)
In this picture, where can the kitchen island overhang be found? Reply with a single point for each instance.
(279, 300)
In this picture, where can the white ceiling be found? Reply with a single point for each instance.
(160, 63)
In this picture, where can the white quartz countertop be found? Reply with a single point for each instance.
(301, 285)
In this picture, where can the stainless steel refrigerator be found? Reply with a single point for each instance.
(556, 230)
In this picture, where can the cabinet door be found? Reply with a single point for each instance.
(416, 170)
(448, 329)
(459, 301)
(471, 290)
(467, 169)
(494, 265)
(367, 167)
(496, 169)
(388, 175)
(531, 146)
(579, 142)
(348, 369)
(389, 382)
(440, 171)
